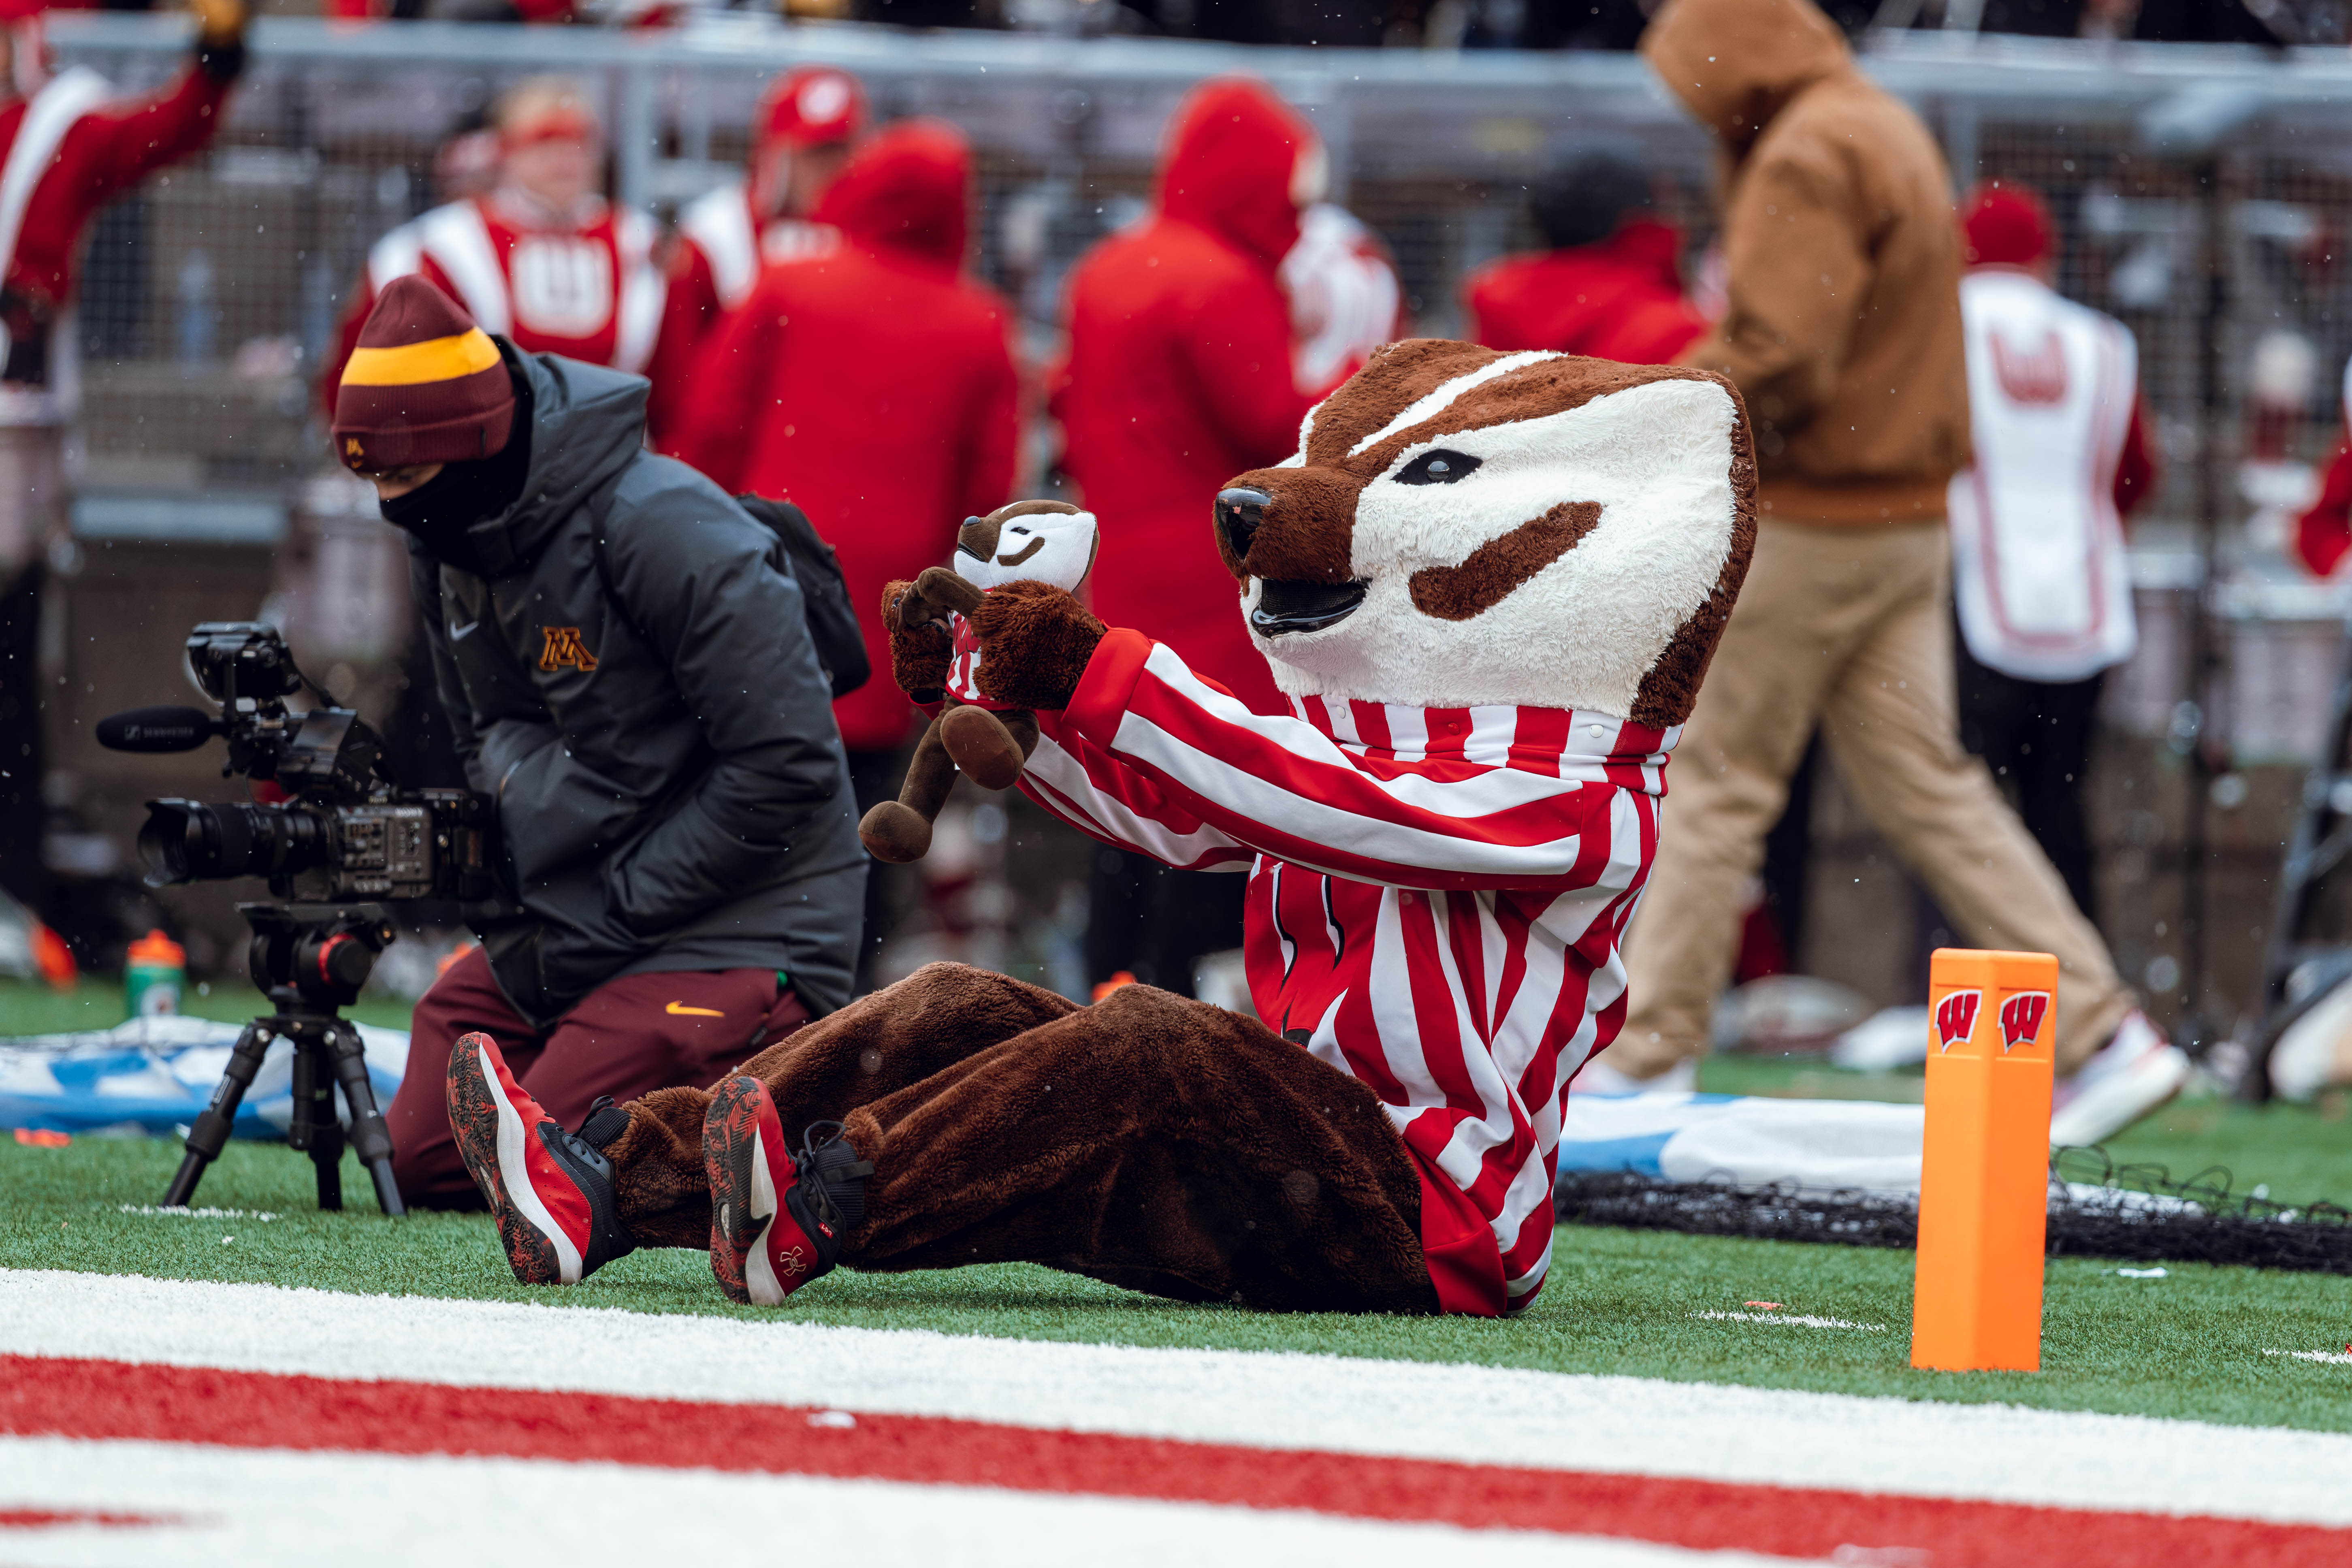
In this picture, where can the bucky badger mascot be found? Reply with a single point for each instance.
(1490, 585)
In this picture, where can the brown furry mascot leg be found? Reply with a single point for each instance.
(867, 1051)
(1156, 1143)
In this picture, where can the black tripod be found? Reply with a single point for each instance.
(310, 960)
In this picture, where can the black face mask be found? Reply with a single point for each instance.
(440, 512)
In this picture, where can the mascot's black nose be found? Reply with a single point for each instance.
(1239, 513)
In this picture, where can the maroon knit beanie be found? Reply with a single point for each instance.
(425, 385)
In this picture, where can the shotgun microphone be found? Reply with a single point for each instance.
(157, 730)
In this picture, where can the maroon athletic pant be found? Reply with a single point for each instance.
(627, 1039)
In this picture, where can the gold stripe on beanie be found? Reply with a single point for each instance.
(468, 353)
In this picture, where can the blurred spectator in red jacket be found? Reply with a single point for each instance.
(808, 121)
(2323, 535)
(1179, 371)
(874, 386)
(1180, 374)
(1610, 285)
(69, 145)
(540, 258)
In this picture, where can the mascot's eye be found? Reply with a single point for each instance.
(1438, 467)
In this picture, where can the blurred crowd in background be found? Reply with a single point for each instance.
(1410, 24)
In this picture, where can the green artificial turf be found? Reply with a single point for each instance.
(97, 1003)
(2188, 1344)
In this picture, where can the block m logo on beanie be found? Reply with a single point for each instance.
(564, 650)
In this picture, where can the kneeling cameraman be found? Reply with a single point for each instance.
(626, 667)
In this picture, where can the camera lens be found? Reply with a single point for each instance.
(191, 841)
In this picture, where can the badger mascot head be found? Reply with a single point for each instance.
(1461, 527)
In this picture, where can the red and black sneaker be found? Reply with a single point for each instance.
(776, 1217)
(551, 1191)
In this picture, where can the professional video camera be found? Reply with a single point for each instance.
(341, 829)
(345, 829)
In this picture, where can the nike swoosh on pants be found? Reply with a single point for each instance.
(683, 1011)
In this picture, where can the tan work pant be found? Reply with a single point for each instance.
(1850, 628)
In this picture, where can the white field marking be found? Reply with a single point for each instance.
(2332, 1358)
(151, 1212)
(271, 1506)
(1474, 1415)
(1801, 1319)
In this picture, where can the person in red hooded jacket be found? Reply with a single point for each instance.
(1610, 285)
(874, 387)
(1180, 376)
(1179, 373)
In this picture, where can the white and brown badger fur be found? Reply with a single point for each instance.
(1461, 527)
(1046, 542)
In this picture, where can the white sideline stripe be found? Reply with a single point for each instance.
(1800, 1320)
(269, 1506)
(2333, 1358)
(1476, 1414)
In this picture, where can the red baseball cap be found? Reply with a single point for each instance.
(809, 106)
(2006, 225)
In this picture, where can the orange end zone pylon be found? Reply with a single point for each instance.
(1984, 1170)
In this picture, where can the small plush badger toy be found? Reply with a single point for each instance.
(1046, 541)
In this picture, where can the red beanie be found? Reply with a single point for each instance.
(425, 385)
(2006, 225)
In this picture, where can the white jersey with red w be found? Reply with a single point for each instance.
(1436, 901)
(590, 292)
(2039, 572)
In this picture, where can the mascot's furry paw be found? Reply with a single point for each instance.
(1035, 640)
(919, 654)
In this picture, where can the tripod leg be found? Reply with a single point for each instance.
(209, 1135)
(370, 1137)
(314, 1129)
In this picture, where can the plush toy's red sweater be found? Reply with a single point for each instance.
(1435, 901)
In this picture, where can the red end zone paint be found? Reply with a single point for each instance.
(59, 1518)
(103, 1399)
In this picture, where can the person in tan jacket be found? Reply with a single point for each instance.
(1843, 333)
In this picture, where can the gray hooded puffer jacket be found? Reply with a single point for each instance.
(658, 731)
